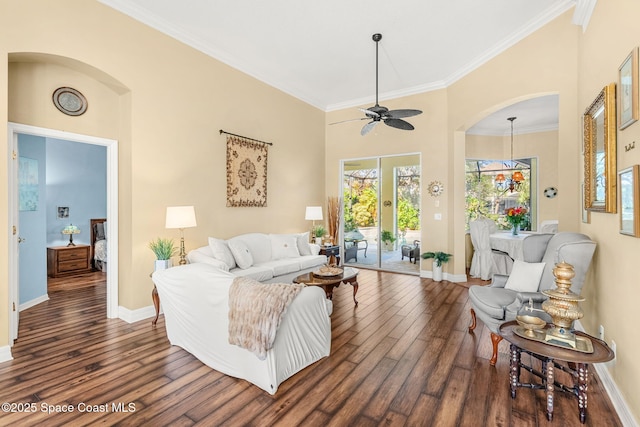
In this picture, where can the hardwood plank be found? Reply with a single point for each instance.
(402, 357)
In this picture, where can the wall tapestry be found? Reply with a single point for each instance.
(246, 173)
(27, 184)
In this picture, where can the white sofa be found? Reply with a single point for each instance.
(195, 299)
(268, 258)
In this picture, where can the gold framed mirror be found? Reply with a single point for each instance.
(600, 175)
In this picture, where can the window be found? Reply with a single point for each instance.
(484, 199)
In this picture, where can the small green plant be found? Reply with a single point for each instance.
(163, 248)
(319, 231)
(387, 237)
(439, 258)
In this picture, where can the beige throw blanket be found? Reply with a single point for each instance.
(255, 312)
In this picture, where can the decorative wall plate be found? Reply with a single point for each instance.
(70, 101)
(435, 188)
(550, 192)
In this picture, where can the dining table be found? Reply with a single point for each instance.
(505, 241)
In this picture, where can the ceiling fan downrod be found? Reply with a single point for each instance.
(376, 38)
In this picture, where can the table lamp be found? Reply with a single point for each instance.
(313, 213)
(181, 217)
(71, 230)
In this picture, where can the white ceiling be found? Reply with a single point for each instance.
(322, 52)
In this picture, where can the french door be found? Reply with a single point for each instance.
(381, 212)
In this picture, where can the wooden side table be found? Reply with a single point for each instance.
(576, 363)
(155, 297)
(332, 253)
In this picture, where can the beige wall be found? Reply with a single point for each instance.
(164, 102)
(613, 292)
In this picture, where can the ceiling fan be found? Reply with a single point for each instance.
(378, 113)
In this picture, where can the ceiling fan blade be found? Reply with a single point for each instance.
(350, 120)
(399, 114)
(369, 113)
(367, 128)
(399, 124)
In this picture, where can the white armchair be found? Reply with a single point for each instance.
(495, 304)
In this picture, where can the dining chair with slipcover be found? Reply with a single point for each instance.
(486, 261)
(500, 301)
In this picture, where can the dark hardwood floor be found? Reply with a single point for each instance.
(402, 357)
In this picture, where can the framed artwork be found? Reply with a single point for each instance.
(63, 212)
(628, 90)
(629, 201)
(586, 214)
(600, 168)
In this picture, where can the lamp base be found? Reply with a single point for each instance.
(183, 259)
(71, 240)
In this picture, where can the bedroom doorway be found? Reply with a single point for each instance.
(381, 212)
(16, 129)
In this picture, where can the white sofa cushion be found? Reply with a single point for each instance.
(303, 243)
(260, 273)
(241, 253)
(311, 261)
(204, 254)
(259, 245)
(221, 251)
(284, 266)
(284, 246)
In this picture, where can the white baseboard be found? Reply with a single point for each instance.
(5, 354)
(458, 278)
(33, 302)
(132, 316)
(617, 399)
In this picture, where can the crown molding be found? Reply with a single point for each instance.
(583, 12)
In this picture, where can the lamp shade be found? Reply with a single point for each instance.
(313, 213)
(180, 217)
(71, 229)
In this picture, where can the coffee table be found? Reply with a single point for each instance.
(349, 275)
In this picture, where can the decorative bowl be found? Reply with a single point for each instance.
(327, 271)
(530, 324)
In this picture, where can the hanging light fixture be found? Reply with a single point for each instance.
(512, 184)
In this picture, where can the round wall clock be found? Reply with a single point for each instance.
(69, 101)
(435, 188)
(550, 192)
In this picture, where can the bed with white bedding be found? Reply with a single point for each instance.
(195, 301)
(99, 243)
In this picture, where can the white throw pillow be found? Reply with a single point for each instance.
(221, 251)
(284, 246)
(303, 244)
(241, 253)
(525, 276)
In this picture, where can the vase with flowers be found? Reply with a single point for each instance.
(515, 217)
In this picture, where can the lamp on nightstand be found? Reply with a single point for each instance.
(181, 217)
(71, 230)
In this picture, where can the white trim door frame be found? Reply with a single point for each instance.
(112, 214)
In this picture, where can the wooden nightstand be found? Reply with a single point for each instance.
(68, 260)
(332, 253)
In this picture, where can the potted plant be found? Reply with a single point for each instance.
(164, 249)
(439, 258)
(318, 232)
(387, 238)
